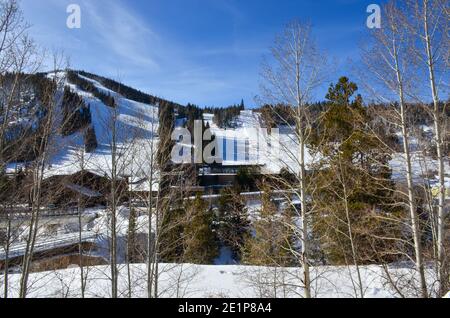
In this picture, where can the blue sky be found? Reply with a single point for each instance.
(206, 52)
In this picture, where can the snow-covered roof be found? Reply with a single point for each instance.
(143, 185)
(83, 190)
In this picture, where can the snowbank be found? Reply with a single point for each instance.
(195, 281)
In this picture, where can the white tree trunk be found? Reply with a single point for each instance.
(443, 280)
(415, 225)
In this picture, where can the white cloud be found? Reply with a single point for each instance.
(121, 31)
(116, 40)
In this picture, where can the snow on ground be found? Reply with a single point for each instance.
(186, 281)
(224, 279)
(101, 227)
(421, 167)
(225, 257)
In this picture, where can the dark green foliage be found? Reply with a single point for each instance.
(87, 86)
(4, 184)
(200, 242)
(187, 234)
(12, 188)
(76, 115)
(165, 130)
(171, 213)
(171, 245)
(234, 226)
(191, 113)
(132, 248)
(278, 115)
(354, 174)
(285, 115)
(247, 178)
(224, 116)
(127, 91)
(90, 139)
(22, 141)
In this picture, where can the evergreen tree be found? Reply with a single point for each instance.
(90, 140)
(234, 226)
(171, 233)
(242, 105)
(76, 115)
(246, 178)
(132, 250)
(165, 129)
(353, 178)
(199, 239)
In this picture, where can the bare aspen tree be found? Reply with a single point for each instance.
(347, 221)
(429, 24)
(146, 184)
(270, 247)
(44, 143)
(152, 275)
(80, 207)
(114, 203)
(17, 55)
(120, 144)
(151, 243)
(137, 159)
(122, 138)
(82, 158)
(390, 63)
(394, 241)
(297, 70)
(115, 171)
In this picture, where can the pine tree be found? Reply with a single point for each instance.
(242, 105)
(171, 233)
(354, 180)
(199, 239)
(165, 129)
(90, 140)
(234, 226)
(76, 115)
(132, 251)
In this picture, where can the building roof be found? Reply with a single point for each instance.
(83, 190)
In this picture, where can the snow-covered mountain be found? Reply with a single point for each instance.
(246, 143)
(136, 124)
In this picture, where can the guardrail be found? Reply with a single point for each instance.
(48, 244)
(26, 212)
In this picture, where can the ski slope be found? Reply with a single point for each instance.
(252, 144)
(246, 144)
(136, 125)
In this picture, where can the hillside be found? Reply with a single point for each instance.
(137, 124)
